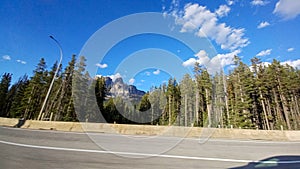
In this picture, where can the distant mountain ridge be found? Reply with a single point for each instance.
(119, 88)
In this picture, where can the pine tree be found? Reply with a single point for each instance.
(35, 92)
(93, 113)
(173, 103)
(63, 107)
(100, 92)
(144, 109)
(203, 96)
(155, 99)
(242, 81)
(15, 95)
(111, 113)
(4, 98)
(220, 101)
(80, 90)
(259, 107)
(187, 88)
(294, 87)
(49, 109)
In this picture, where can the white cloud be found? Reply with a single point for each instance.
(98, 76)
(204, 23)
(263, 64)
(190, 62)
(102, 66)
(142, 81)
(6, 57)
(264, 52)
(131, 81)
(293, 63)
(214, 64)
(290, 49)
(201, 58)
(263, 24)
(21, 61)
(287, 9)
(230, 2)
(222, 11)
(156, 72)
(222, 60)
(115, 76)
(201, 53)
(148, 73)
(259, 2)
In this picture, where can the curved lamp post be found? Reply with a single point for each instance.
(51, 85)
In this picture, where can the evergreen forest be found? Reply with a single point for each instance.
(252, 96)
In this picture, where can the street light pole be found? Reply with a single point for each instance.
(52, 82)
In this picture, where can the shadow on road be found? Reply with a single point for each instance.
(20, 123)
(276, 162)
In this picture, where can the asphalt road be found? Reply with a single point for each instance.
(40, 149)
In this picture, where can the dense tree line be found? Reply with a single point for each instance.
(255, 96)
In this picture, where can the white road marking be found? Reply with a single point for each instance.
(124, 153)
(140, 154)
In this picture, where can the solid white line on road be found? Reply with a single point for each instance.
(140, 154)
(125, 153)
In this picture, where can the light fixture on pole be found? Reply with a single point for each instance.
(52, 82)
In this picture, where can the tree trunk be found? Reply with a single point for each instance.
(226, 100)
(294, 117)
(278, 109)
(197, 107)
(297, 105)
(221, 114)
(284, 104)
(264, 109)
(285, 111)
(269, 113)
(52, 103)
(208, 107)
(185, 110)
(170, 109)
(178, 113)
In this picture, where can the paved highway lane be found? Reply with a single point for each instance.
(35, 149)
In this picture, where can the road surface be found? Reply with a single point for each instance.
(41, 149)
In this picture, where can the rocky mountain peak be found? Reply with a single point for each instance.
(119, 80)
(119, 88)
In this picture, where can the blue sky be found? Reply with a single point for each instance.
(268, 29)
